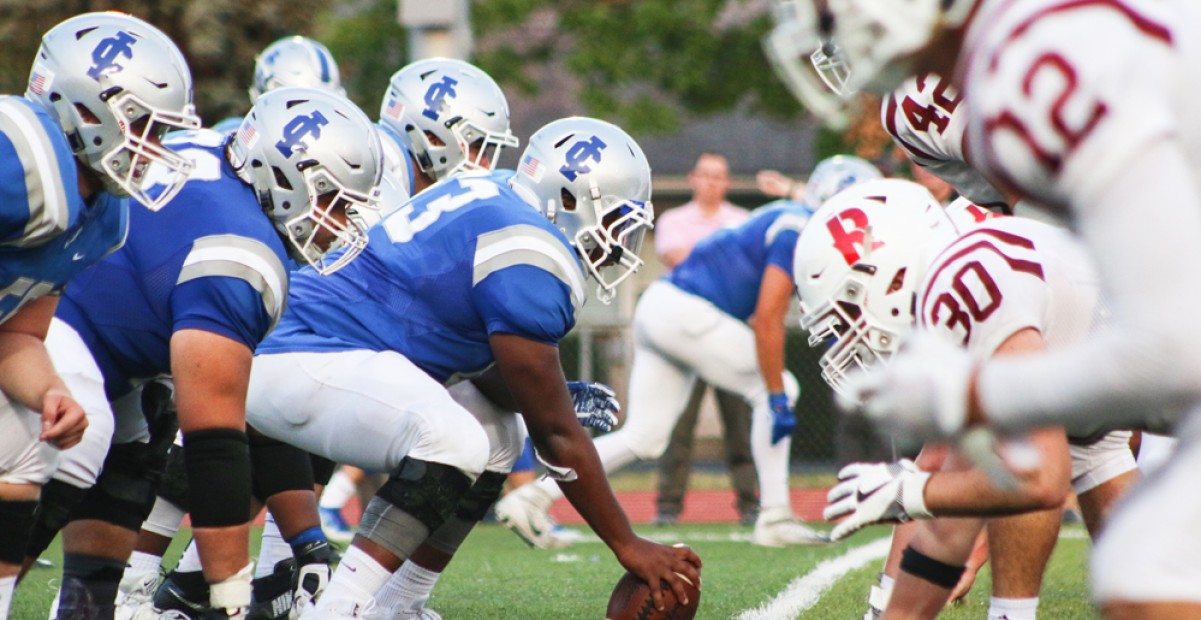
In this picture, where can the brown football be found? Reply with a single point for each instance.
(631, 600)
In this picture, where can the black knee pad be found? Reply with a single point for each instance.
(54, 509)
(323, 469)
(277, 467)
(218, 464)
(174, 485)
(427, 491)
(16, 523)
(480, 497)
(124, 492)
(934, 571)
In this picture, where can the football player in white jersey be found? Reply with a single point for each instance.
(1085, 107)
(1004, 286)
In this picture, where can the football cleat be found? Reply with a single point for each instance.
(186, 593)
(778, 527)
(135, 593)
(525, 512)
(273, 593)
(335, 526)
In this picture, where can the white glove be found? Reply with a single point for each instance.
(876, 493)
(919, 394)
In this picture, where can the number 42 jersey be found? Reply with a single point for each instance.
(464, 259)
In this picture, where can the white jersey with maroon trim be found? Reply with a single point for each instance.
(926, 118)
(1067, 93)
(1008, 274)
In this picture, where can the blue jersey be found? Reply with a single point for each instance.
(726, 268)
(209, 260)
(48, 232)
(464, 259)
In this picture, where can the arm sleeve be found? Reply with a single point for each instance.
(525, 301)
(1144, 368)
(227, 306)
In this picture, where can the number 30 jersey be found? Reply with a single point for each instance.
(927, 118)
(462, 260)
(1006, 275)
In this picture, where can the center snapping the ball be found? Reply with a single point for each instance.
(632, 600)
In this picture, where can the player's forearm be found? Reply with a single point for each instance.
(769, 349)
(26, 373)
(590, 493)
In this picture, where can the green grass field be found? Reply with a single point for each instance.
(496, 577)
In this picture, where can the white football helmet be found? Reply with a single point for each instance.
(312, 156)
(858, 265)
(442, 106)
(813, 68)
(834, 174)
(591, 179)
(116, 84)
(295, 61)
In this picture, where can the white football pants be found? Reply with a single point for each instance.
(1149, 548)
(677, 338)
(372, 409)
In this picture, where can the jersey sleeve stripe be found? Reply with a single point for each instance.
(49, 214)
(528, 245)
(787, 221)
(242, 258)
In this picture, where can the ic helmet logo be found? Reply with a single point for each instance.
(436, 93)
(108, 52)
(579, 155)
(300, 128)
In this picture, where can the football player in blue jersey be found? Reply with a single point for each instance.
(103, 88)
(718, 315)
(474, 273)
(290, 61)
(450, 115)
(191, 294)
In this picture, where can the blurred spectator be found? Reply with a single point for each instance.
(676, 231)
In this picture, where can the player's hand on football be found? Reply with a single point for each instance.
(596, 404)
(656, 563)
(871, 493)
(921, 393)
(63, 419)
(783, 420)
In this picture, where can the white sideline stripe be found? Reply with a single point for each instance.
(805, 591)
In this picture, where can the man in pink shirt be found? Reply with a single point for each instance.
(676, 231)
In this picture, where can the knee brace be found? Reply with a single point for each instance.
(218, 465)
(323, 469)
(427, 491)
(480, 497)
(54, 509)
(927, 568)
(277, 467)
(16, 522)
(174, 485)
(125, 492)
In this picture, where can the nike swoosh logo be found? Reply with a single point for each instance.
(79, 256)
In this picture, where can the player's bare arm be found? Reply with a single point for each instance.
(28, 377)
(535, 377)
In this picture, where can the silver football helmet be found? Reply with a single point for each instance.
(116, 84)
(858, 265)
(295, 61)
(591, 179)
(442, 107)
(834, 174)
(313, 158)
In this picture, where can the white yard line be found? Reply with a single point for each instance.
(805, 591)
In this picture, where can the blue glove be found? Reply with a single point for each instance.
(783, 422)
(596, 404)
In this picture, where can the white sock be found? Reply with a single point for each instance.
(164, 519)
(408, 589)
(234, 592)
(1012, 608)
(273, 548)
(144, 562)
(771, 461)
(358, 578)
(887, 583)
(7, 584)
(339, 491)
(189, 562)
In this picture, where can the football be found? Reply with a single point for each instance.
(631, 600)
